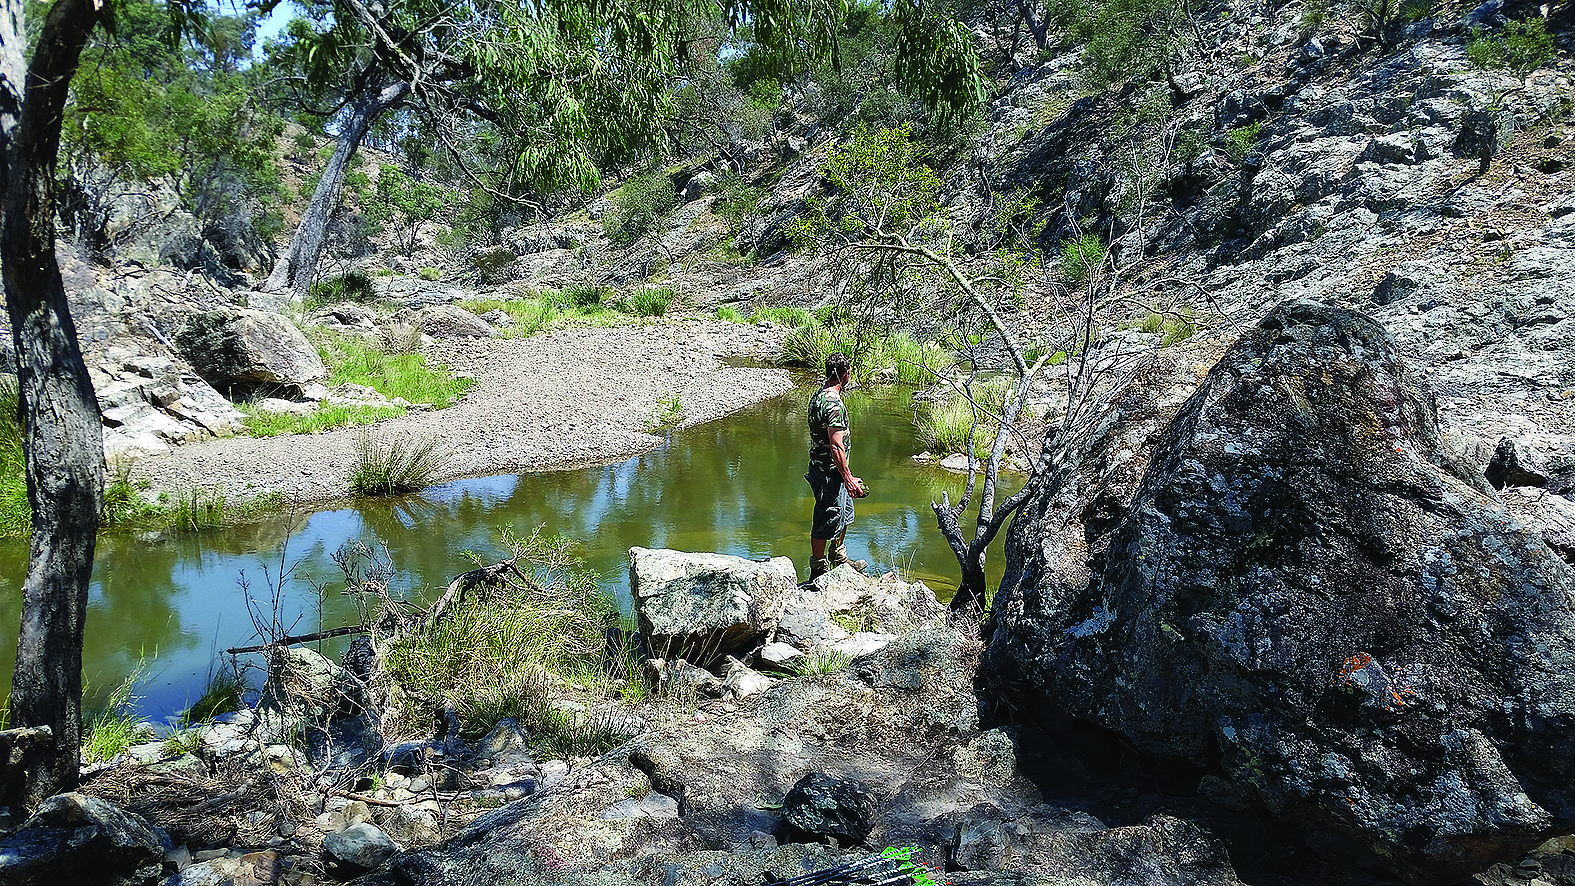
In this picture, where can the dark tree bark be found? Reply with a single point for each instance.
(62, 431)
(376, 94)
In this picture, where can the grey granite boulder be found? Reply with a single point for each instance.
(704, 606)
(358, 848)
(247, 349)
(1300, 595)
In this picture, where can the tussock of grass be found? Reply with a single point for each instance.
(113, 728)
(16, 513)
(944, 426)
(352, 360)
(509, 648)
(877, 355)
(222, 695)
(396, 466)
(729, 313)
(574, 306)
(782, 316)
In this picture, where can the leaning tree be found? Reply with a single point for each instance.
(566, 83)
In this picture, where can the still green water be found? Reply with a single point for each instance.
(735, 486)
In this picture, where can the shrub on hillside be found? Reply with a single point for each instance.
(642, 204)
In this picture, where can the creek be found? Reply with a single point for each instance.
(174, 602)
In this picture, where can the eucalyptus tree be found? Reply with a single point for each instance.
(62, 432)
(567, 83)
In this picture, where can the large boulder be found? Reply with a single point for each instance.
(75, 838)
(240, 349)
(1301, 596)
(704, 606)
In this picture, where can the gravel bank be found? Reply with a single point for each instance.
(566, 398)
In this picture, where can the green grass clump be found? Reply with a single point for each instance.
(394, 467)
(647, 301)
(16, 512)
(1241, 141)
(1080, 257)
(431, 275)
(944, 426)
(782, 316)
(325, 418)
(352, 286)
(822, 662)
(352, 360)
(113, 728)
(506, 651)
(222, 695)
(729, 313)
(1171, 327)
(877, 355)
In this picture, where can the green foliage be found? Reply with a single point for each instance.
(1524, 46)
(351, 286)
(648, 301)
(507, 652)
(1241, 141)
(640, 206)
(221, 696)
(944, 426)
(351, 359)
(781, 316)
(395, 466)
(325, 418)
(825, 661)
(877, 355)
(1189, 145)
(737, 200)
(1081, 257)
(669, 414)
(1171, 326)
(405, 204)
(729, 313)
(882, 183)
(113, 728)
(430, 274)
(1121, 39)
(16, 512)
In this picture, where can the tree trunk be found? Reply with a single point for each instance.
(297, 268)
(62, 431)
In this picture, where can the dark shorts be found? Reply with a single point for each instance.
(833, 505)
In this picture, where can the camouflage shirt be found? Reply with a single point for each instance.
(826, 411)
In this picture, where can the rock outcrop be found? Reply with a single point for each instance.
(244, 349)
(1302, 596)
(74, 838)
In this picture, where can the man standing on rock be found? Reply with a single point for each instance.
(829, 476)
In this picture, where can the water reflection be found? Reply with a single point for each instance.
(734, 486)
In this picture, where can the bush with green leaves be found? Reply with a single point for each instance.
(647, 301)
(508, 649)
(640, 206)
(403, 204)
(351, 286)
(1241, 141)
(1524, 46)
(1121, 39)
(1081, 257)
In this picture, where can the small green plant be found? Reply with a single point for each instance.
(351, 286)
(1241, 141)
(396, 466)
(1171, 326)
(261, 423)
(1189, 144)
(586, 296)
(1524, 46)
(123, 502)
(944, 427)
(1081, 257)
(647, 301)
(670, 413)
(16, 512)
(781, 316)
(182, 741)
(729, 313)
(221, 696)
(737, 200)
(823, 661)
(114, 728)
(431, 274)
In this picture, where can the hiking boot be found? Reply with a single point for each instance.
(838, 555)
(818, 566)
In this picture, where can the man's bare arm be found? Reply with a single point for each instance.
(839, 454)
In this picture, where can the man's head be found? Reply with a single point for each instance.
(837, 366)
